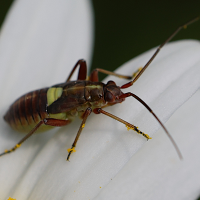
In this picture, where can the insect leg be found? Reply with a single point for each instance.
(82, 74)
(85, 116)
(128, 125)
(94, 74)
(157, 51)
(47, 121)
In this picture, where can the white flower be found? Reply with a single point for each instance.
(38, 48)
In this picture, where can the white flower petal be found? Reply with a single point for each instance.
(153, 173)
(40, 43)
(105, 145)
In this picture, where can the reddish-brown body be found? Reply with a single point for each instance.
(28, 110)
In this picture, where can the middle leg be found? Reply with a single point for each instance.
(85, 116)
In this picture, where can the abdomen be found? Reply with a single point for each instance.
(27, 111)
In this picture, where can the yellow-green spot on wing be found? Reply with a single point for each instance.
(53, 94)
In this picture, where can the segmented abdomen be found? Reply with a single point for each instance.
(27, 111)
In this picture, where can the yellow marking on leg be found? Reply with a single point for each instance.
(6, 151)
(71, 150)
(83, 126)
(13, 149)
(18, 145)
(138, 131)
(129, 128)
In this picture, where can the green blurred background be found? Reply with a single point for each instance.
(126, 29)
(129, 28)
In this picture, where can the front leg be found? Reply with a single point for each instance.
(85, 116)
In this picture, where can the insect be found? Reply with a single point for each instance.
(57, 106)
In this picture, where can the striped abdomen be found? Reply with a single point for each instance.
(27, 111)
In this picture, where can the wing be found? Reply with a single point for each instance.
(65, 104)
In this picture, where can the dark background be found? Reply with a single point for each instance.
(125, 30)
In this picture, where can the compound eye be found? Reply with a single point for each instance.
(109, 97)
(111, 83)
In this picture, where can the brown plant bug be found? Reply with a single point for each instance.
(58, 105)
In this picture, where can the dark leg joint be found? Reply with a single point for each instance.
(97, 110)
